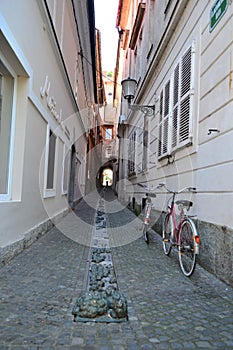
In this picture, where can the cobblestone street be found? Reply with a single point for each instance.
(166, 310)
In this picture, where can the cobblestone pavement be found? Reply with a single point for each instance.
(166, 309)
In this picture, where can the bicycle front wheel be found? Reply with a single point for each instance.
(187, 254)
(167, 231)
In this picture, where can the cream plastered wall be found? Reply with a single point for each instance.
(47, 100)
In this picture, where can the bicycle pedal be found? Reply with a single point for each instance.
(166, 240)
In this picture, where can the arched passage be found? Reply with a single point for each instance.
(106, 176)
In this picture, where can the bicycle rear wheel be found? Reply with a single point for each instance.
(145, 233)
(187, 254)
(167, 230)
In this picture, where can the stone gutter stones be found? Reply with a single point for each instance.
(102, 302)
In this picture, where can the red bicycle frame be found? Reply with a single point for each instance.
(176, 228)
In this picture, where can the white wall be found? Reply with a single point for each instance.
(208, 163)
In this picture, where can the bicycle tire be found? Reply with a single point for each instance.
(186, 242)
(166, 233)
(145, 233)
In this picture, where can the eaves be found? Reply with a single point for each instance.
(137, 25)
(166, 37)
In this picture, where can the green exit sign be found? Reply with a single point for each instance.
(217, 11)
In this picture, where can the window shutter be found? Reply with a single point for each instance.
(174, 126)
(184, 119)
(160, 141)
(164, 120)
(175, 112)
(161, 107)
(176, 81)
(186, 72)
(165, 135)
(167, 99)
(160, 123)
(176, 86)
(166, 117)
(145, 143)
(185, 115)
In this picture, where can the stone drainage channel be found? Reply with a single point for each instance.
(102, 300)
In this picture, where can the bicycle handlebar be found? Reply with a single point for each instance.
(148, 189)
(141, 185)
(189, 189)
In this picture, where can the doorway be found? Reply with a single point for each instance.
(107, 177)
(72, 177)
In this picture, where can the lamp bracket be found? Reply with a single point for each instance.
(149, 110)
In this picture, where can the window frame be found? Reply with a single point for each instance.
(50, 192)
(108, 135)
(178, 132)
(8, 195)
(65, 169)
(164, 120)
(132, 152)
(145, 143)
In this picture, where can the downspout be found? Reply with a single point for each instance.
(91, 13)
(50, 21)
(81, 49)
(154, 62)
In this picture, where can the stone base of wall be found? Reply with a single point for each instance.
(9, 252)
(216, 250)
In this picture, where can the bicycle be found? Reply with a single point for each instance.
(147, 211)
(182, 234)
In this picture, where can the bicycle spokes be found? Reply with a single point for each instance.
(167, 233)
(186, 246)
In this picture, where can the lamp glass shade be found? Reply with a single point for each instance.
(128, 88)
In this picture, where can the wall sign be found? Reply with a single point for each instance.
(51, 102)
(216, 12)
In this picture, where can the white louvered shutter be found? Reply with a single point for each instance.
(164, 115)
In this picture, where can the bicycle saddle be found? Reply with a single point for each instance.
(184, 203)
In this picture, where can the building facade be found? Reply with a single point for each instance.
(181, 54)
(47, 94)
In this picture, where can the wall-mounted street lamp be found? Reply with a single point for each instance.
(128, 90)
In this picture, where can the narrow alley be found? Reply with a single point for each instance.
(91, 138)
(166, 310)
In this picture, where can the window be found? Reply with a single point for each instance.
(76, 80)
(108, 134)
(65, 167)
(132, 153)
(108, 151)
(50, 163)
(145, 144)
(7, 83)
(164, 117)
(175, 109)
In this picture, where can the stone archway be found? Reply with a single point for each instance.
(106, 176)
